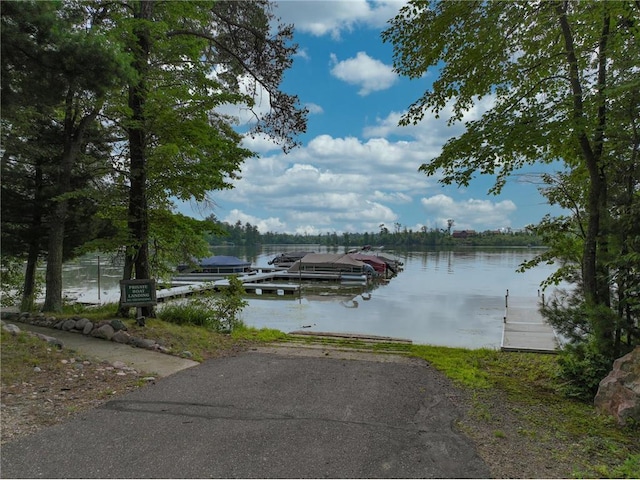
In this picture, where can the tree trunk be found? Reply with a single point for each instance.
(138, 223)
(73, 138)
(27, 303)
(53, 297)
(595, 279)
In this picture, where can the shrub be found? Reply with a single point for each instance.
(218, 312)
(583, 367)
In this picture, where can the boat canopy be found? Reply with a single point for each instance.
(378, 264)
(220, 264)
(223, 261)
(288, 257)
(327, 262)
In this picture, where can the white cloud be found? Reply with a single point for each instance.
(322, 17)
(468, 214)
(313, 108)
(263, 225)
(370, 74)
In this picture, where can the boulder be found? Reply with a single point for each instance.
(619, 392)
(81, 323)
(142, 342)
(11, 328)
(87, 328)
(50, 340)
(121, 337)
(118, 324)
(69, 325)
(105, 331)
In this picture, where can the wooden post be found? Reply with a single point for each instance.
(98, 278)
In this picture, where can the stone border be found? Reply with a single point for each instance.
(112, 330)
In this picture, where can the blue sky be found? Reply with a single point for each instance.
(356, 169)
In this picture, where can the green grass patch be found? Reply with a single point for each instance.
(94, 312)
(201, 342)
(263, 335)
(465, 367)
(21, 354)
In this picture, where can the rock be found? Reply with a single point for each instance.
(11, 328)
(87, 328)
(142, 342)
(105, 331)
(68, 325)
(81, 323)
(118, 324)
(58, 325)
(619, 392)
(118, 364)
(121, 337)
(187, 354)
(50, 340)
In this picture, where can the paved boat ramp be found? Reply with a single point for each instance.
(524, 329)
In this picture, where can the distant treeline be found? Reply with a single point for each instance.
(248, 235)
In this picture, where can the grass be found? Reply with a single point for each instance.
(528, 385)
(20, 357)
(525, 384)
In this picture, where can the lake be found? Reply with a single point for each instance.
(451, 298)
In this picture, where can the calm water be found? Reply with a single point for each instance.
(450, 298)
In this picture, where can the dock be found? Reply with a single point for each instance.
(264, 282)
(524, 329)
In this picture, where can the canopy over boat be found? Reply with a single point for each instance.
(288, 258)
(327, 262)
(223, 261)
(218, 264)
(378, 264)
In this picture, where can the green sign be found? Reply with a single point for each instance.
(138, 293)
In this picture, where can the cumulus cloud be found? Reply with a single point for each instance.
(468, 214)
(370, 74)
(314, 109)
(263, 225)
(313, 16)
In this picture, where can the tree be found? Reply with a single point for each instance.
(561, 80)
(191, 58)
(450, 224)
(54, 78)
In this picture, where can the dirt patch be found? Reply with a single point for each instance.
(57, 390)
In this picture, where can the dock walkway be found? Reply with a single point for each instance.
(524, 329)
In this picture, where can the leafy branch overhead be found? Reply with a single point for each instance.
(551, 83)
(138, 90)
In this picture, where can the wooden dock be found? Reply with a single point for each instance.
(524, 328)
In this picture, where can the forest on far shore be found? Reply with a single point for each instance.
(239, 234)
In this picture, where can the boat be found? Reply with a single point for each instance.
(340, 266)
(379, 265)
(287, 259)
(217, 265)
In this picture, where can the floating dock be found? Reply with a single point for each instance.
(524, 329)
(267, 282)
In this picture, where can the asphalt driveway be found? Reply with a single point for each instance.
(263, 415)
